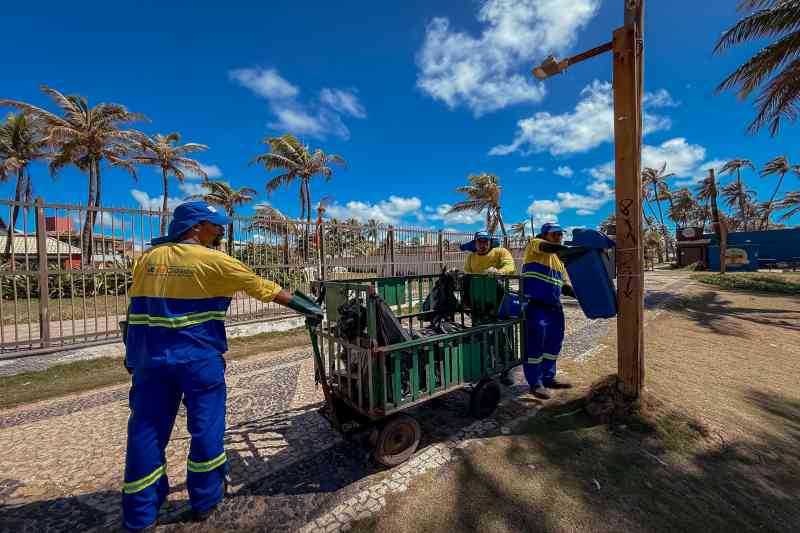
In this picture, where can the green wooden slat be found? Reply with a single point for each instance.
(415, 374)
(398, 399)
(431, 371)
(446, 354)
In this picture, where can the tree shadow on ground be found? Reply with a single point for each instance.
(719, 315)
(663, 472)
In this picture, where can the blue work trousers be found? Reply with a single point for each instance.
(545, 334)
(154, 401)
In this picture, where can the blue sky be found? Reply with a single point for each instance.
(414, 95)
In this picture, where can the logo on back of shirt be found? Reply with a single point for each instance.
(169, 271)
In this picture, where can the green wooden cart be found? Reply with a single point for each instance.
(367, 386)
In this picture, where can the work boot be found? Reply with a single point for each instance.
(540, 392)
(555, 384)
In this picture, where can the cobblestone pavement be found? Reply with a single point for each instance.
(62, 460)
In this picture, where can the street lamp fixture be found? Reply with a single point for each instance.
(552, 66)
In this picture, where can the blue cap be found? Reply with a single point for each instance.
(551, 227)
(189, 214)
(482, 235)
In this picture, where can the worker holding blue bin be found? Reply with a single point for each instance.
(544, 280)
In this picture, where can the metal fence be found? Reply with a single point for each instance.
(65, 271)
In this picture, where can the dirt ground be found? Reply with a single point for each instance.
(717, 447)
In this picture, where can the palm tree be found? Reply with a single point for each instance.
(299, 163)
(164, 151)
(85, 137)
(681, 206)
(775, 68)
(221, 193)
(707, 190)
(791, 202)
(483, 193)
(518, 229)
(738, 195)
(736, 165)
(656, 178)
(780, 166)
(609, 224)
(21, 141)
(273, 221)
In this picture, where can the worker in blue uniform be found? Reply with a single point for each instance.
(544, 280)
(175, 342)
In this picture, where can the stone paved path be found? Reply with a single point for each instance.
(61, 466)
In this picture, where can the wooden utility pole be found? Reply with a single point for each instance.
(628, 86)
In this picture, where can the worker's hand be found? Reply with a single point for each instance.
(306, 306)
(492, 271)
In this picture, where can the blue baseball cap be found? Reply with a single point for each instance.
(482, 235)
(551, 227)
(189, 214)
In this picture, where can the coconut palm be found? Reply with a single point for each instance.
(780, 166)
(736, 165)
(85, 137)
(222, 194)
(518, 229)
(272, 221)
(300, 164)
(791, 202)
(21, 142)
(483, 193)
(775, 68)
(707, 190)
(681, 206)
(737, 195)
(654, 180)
(166, 152)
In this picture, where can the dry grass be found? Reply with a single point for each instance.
(63, 309)
(715, 448)
(780, 283)
(82, 376)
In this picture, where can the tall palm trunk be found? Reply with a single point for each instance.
(307, 209)
(661, 219)
(719, 228)
(742, 212)
(164, 203)
(768, 210)
(230, 231)
(15, 211)
(502, 226)
(88, 221)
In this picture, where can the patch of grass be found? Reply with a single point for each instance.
(65, 309)
(760, 282)
(81, 376)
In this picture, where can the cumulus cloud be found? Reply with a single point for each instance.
(564, 172)
(482, 72)
(589, 125)
(389, 211)
(212, 171)
(463, 217)
(345, 102)
(315, 119)
(530, 169)
(154, 203)
(598, 193)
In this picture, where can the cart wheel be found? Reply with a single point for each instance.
(398, 440)
(484, 399)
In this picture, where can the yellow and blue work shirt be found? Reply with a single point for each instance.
(543, 274)
(499, 258)
(178, 301)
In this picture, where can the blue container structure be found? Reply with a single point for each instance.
(510, 306)
(741, 258)
(775, 247)
(589, 271)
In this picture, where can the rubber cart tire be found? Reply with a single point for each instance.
(484, 399)
(398, 439)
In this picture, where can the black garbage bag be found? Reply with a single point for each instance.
(442, 299)
(390, 331)
(352, 321)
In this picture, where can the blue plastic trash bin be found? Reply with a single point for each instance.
(586, 264)
(510, 306)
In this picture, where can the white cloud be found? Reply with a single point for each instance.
(212, 171)
(462, 217)
(604, 172)
(266, 83)
(588, 126)
(699, 174)
(190, 189)
(530, 169)
(315, 119)
(599, 194)
(542, 211)
(681, 157)
(564, 172)
(482, 73)
(345, 102)
(389, 211)
(154, 203)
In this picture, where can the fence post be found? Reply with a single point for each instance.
(321, 247)
(440, 246)
(44, 289)
(390, 240)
